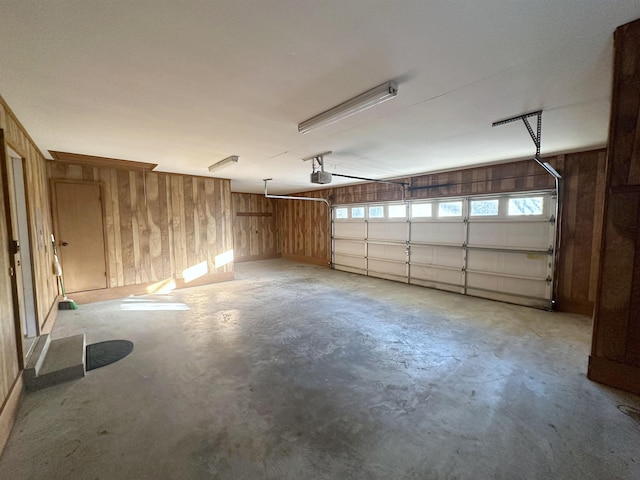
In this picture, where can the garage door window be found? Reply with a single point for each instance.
(526, 206)
(484, 208)
(397, 211)
(357, 212)
(376, 211)
(450, 209)
(342, 213)
(421, 210)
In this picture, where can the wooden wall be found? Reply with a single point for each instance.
(304, 231)
(158, 224)
(38, 211)
(304, 226)
(254, 227)
(504, 177)
(615, 354)
(583, 190)
(9, 353)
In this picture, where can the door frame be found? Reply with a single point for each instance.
(25, 239)
(56, 225)
(6, 194)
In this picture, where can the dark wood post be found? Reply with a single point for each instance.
(615, 354)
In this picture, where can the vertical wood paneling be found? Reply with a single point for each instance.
(127, 254)
(254, 227)
(201, 216)
(135, 227)
(8, 348)
(166, 250)
(13, 135)
(159, 224)
(615, 358)
(596, 232)
(578, 259)
(143, 227)
(212, 229)
(153, 219)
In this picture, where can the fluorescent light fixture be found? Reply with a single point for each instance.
(357, 104)
(223, 163)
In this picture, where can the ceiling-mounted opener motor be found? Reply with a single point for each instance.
(317, 161)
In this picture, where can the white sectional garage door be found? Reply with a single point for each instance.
(498, 247)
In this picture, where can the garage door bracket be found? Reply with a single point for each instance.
(535, 136)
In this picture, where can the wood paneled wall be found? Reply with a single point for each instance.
(9, 367)
(304, 226)
(254, 227)
(45, 289)
(304, 231)
(157, 224)
(504, 177)
(583, 190)
(615, 355)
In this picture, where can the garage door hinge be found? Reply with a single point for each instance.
(552, 220)
(549, 279)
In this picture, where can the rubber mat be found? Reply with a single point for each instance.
(104, 353)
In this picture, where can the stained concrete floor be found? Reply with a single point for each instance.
(298, 372)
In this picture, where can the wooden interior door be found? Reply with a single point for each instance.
(80, 237)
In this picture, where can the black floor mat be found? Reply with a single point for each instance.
(103, 353)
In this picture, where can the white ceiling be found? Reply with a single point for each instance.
(186, 83)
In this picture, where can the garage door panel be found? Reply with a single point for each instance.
(503, 297)
(437, 285)
(349, 230)
(436, 255)
(398, 269)
(510, 285)
(349, 247)
(388, 252)
(390, 231)
(522, 235)
(343, 268)
(388, 276)
(434, 274)
(348, 261)
(492, 250)
(524, 264)
(437, 232)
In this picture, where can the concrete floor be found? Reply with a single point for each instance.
(299, 372)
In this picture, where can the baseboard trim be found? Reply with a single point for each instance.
(615, 374)
(52, 316)
(324, 262)
(9, 411)
(92, 296)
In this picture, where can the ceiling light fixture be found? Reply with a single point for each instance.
(223, 163)
(357, 104)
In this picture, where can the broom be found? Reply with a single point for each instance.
(65, 303)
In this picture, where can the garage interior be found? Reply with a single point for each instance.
(436, 278)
